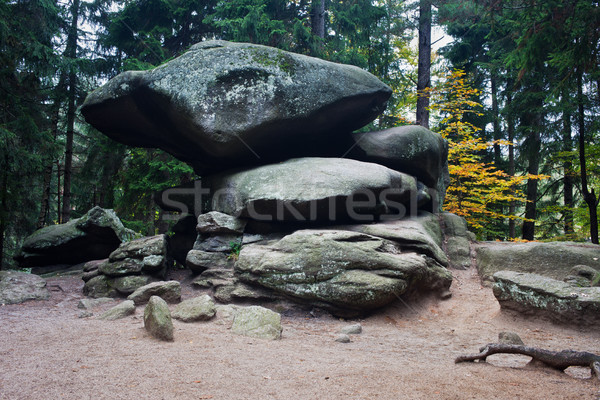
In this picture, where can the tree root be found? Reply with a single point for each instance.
(559, 360)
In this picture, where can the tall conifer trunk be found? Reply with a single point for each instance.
(588, 197)
(71, 53)
(424, 67)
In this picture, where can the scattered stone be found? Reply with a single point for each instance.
(17, 287)
(85, 314)
(121, 268)
(316, 189)
(298, 105)
(533, 294)
(126, 285)
(169, 291)
(353, 329)
(92, 237)
(157, 319)
(445, 295)
(200, 308)
(88, 304)
(258, 322)
(119, 311)
(342, 338)
(99, 286)
(510, 338)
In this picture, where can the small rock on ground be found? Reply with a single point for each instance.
(342, 338)
(353, 329)
(119, 311)
(157, 319)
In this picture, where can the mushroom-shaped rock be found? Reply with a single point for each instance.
(224, 104)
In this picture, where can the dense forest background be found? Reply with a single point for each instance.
(516, 92)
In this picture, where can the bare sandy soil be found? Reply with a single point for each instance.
(406, 351)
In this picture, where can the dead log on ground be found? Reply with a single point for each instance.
(559, 360)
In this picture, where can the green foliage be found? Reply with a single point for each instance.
(234, 250)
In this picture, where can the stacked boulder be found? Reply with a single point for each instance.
(292, 203)
(132, 265)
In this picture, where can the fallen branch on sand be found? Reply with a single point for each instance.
(559, 360)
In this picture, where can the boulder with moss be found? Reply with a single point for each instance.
(91, 237)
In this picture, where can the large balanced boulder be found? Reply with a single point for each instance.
(345, 272)
(554, 260)
(533, 294)
(224, 104)
(316, 189)
(17, 287)
(93, 236)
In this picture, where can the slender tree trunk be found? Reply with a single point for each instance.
(3, 212)
(510, 130)
(588, 197)
(568, 169)
(58, 194)
(70, 52)
(533, 122)
(318, 18)
(424, 67)
(496, 120)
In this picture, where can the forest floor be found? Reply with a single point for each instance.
(406, 351)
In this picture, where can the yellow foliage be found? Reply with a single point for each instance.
(477, 189)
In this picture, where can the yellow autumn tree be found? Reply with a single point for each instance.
(478, 190)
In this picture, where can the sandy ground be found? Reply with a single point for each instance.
(406, 351)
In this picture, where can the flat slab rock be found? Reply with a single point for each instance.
(17, 287)
(316, 189)
(554, 259)
(223, 104)
(539, 295)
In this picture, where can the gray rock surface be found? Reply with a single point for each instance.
(215, 222)
(224, 104)
(121, 310)
(342, 338)
(134, 264)
(88, 304)
(199, 261)
(258, 322)
(201, 308)
(457, 243)
(411, 149)
(17, 287)
(93, 236)
(170, 291)
(157, 319)
(353, 329)
(99, 286)
(316, 189)
(533, 294)
(510, 338)
(346, 272)
(553, 259)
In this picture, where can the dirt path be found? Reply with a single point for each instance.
(406, 351)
